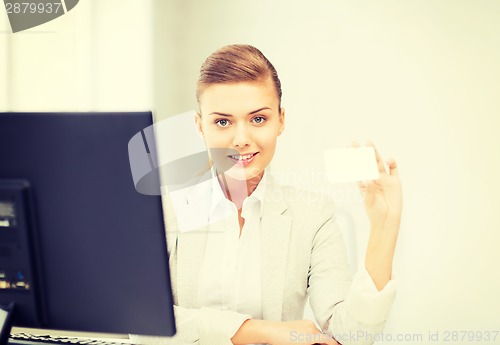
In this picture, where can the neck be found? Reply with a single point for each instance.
(237, 190)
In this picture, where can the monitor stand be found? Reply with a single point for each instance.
(6, 312)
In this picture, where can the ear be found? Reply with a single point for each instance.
(199, 127)
(281, 121)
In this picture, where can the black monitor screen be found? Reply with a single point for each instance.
(80, 248)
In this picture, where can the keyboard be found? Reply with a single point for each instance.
(32, 339)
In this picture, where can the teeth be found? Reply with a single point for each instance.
(245, 157)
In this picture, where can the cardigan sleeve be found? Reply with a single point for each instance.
(351, 310)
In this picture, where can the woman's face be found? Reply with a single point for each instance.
(244, 119)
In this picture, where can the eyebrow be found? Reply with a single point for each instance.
(229, 115)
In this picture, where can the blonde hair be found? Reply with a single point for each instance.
(237, 63)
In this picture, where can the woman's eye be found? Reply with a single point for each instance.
(222, 122)
(259, 119)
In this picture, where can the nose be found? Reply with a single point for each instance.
(241, 136)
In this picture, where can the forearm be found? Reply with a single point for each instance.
(251, 332)
(297, 332)
(380, 251)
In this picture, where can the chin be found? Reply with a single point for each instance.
(243, 174)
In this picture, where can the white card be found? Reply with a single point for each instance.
(351, 164)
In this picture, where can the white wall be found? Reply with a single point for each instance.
(96, 57)
(420, 78)
(4, 61)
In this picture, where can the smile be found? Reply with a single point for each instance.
(243, 159)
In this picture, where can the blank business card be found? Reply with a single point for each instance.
(351, 164)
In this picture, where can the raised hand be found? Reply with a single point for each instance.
(382, 197)
(383, 203)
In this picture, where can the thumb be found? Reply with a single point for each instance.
(393, 167)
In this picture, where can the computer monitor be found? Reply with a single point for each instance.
(80, 248)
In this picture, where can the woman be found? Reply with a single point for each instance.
(244, 277)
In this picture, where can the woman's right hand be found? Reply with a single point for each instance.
(299, 332)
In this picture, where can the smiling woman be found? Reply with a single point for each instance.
(240, 92)
(245, 279)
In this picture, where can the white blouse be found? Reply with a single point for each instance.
(231, 274)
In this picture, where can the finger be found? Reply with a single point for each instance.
(380, 162)
(393, 167)
(362, 185)
(354, 143)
